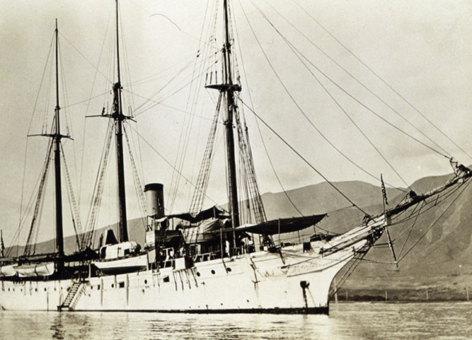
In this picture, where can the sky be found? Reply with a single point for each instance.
(420, 49)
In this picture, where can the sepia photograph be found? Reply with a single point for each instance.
(235, 169)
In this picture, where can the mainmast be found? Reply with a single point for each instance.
(57, 166)
(118, 117)
(228, 89)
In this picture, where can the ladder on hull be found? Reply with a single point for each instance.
(72, 297)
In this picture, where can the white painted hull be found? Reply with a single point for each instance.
(217, 286)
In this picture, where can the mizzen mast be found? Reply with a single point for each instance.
(57, 165)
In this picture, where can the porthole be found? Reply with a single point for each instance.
(112, 285)
(213, 272)
(228, 269)
(45, 289)
(145, 282)
(36, 289)
(198, 273)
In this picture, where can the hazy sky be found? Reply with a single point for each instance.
(421, 49)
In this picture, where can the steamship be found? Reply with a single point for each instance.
(204, 260)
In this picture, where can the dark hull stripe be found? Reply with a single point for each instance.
(311, 310)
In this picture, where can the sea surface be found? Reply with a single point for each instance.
(346, 321)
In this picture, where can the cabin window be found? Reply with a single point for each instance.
(13, 289)
(98, 287)
(8, 289)
(126, 252)
(121, 285)
(91, 287)
(212, 271)
(112, 285)
(228, 270)
(198, 273)
(145, 282)
(166, 279)
(45, 289)
(36, 289)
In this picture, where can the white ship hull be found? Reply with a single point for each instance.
(300, 285)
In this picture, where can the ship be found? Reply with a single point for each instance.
(212, 260)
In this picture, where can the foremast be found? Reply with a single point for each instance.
(119, 117)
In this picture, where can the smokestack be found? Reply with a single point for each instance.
(155, 200)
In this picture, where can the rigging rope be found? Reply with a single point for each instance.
(434, 223)
(33, 233)
(355, 79)
(137, 183)
(304, 159)
(170, 95)
(73, 203)
(204, 174)
(409, 233)
(383, 81)
(301, 110)
(98, 189)
(170, 164)
(260, 133)
(298, 54)
(246, 155)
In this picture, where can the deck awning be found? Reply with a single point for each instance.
(282, 225)
(213, 212)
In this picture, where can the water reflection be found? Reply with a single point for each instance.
(57, 327)
(347, 321)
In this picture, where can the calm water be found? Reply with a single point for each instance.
(347, 321)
